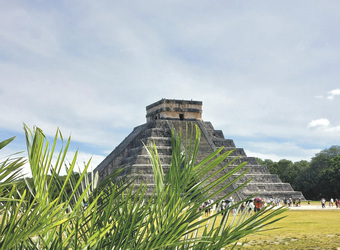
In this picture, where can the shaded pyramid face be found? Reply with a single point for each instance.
(167, 114)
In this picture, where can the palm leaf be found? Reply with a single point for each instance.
(188, 181)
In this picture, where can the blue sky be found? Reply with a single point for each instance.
(266, 71)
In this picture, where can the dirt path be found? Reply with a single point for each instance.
(314, 207)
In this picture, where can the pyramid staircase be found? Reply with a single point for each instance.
(132, 156)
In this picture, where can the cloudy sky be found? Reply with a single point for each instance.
(266, 71)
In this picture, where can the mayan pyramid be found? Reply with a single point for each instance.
(177, 114)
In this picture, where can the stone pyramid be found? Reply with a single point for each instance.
(180, 114)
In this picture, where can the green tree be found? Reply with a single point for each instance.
(286, 170)
(329, 179)
(331, 152)
(301, 181)
(319, 163)
(315, 179)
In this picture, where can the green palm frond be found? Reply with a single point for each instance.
(10, 170)
(50, 213)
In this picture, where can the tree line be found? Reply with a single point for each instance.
(316, 179)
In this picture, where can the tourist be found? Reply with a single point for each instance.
(243, 207)
(207, 208)
(251, 206)
(211, 201)
(289, 202)
(278, 201)
(223, 206)
(258, 204)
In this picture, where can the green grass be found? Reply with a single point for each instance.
(300, 229)
(305, 229)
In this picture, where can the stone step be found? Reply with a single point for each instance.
(218, 134)
(146, 168)
(146, 178)
(145, 159)
(253, 169)
(277, 194)
(267, 187)
(215, 134)
(159, 141)
(140, 142)
(236, 152)
(241, 159)
(157, 132)
(259, 178)
(212, 131)
(162, 124)
(162, 150)
(149, 189)
(228, 143)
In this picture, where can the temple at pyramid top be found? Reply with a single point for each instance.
(171, 109)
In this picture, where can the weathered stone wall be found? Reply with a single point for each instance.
(174, 109)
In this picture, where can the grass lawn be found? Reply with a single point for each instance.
(300, 229)
(304, 229)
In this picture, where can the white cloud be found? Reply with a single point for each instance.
(323, 125)
(319, 123)
(278, 151)
(333, 93)
(90, 68)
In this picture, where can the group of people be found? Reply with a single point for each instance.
(289, 202)
(257, 203)
(331, 203)
(206, 206)
(252, 204)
